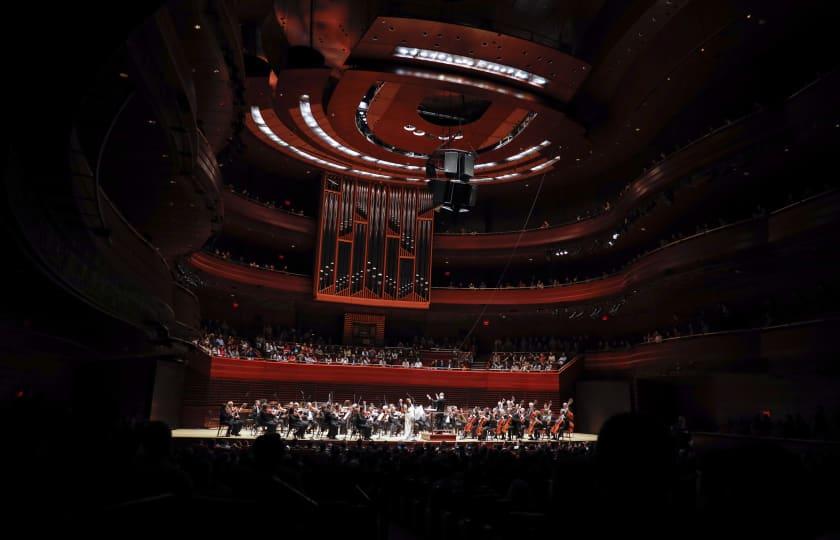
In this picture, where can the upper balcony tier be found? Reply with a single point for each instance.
(279, 229)
(809, 219)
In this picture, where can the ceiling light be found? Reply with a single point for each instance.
(309, 119)
(409, 127)
(545, 164)
(197, 27)
(419, 132)
(456, 60)
(256, 115)
(483, 165)
(370, 174)
(527, 151)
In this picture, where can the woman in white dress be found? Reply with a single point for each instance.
(408, 414)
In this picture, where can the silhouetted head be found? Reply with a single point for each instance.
(268, 450)
(155, 439)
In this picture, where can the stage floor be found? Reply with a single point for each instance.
(248, 435)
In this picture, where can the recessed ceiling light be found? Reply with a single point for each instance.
(197, 27)
(419, 132)
(467, 62)
(409, 127)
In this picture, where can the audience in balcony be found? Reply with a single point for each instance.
(527, 361)
(291, 345)
(285, 206)
(545, 278)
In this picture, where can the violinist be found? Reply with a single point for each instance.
(360, 422)
(297, 423)
(267, 419)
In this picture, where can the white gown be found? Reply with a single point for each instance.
(409, 422)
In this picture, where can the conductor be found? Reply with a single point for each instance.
(439, 403)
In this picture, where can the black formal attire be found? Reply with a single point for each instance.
(269, 421)
(440, 408)
(362, 425)
(331, 421)
(229, 420)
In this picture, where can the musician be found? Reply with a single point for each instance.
(515, 430)
(439, 403)
(361, 423)
(298, 422)
(229, 416)
(267, 419)
(331, 421)
(460, 419)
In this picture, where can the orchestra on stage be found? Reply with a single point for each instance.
(405, 420)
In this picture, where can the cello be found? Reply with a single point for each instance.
(480, 432)
(468, 429)
(532, 422)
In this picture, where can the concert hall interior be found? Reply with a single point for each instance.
(434, 268)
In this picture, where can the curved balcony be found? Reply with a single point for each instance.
(719, 349)
(248, 275)
(249, 218)
(710, 148)
(728, 140)
(722, 243)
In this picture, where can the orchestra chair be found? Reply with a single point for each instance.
(223, 425)
(257, 426)
(250, 424)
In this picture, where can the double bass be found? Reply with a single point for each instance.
(570, 418)
(565, 422)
